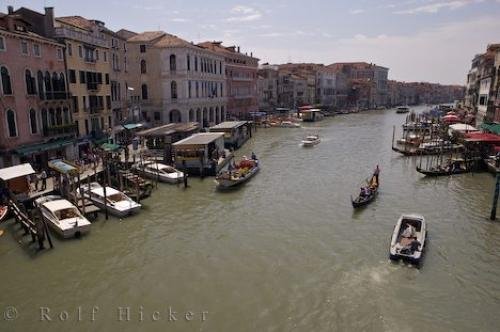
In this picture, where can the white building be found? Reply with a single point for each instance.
(175, 80)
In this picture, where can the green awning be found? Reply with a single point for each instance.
(131, 126)
(491, 127)
(110, 147)
(37, 148)
(101, 141)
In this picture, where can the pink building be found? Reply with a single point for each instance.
(34, 104)
(241, 80)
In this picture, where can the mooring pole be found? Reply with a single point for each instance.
(493, 214)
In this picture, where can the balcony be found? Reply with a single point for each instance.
(62, 130)
(93, 86)
(65, 32)
(55, 95)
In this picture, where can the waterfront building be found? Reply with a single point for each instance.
(267, 87)
(241, 79)
(87, 59)
(35, 107)
(201, 154)
(482, 86)
(176, 81)
(292, 90)
(366, 80)
(236, 133)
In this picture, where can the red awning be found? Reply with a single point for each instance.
(482, 137)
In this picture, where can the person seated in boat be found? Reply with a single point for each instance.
(409, 231)
(362, 192)
(414, 245)
(254, 157)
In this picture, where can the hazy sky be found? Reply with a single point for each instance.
(419, 40)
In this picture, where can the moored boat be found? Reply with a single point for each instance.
(117, 203)
(402, 109)
(242, 171)
(454, 166)
(62, 216)
(162, 172)
(311, 140)
(289, 124)
(408, 239)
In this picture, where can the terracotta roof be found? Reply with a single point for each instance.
(127, 34)
(147, 36)
(169, 40)
(217, 47)
(76, 21)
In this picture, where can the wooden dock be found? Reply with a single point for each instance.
(37, 228)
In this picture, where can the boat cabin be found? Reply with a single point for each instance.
(160, 139)
(311, 115)
(201, 154)
(236, 133)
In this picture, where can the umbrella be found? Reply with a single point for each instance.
(450, 118)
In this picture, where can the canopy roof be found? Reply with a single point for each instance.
(63, 167)
(37, 148)
(229, 125)
(110, 147)
(16, 171)
(199, 139)
(483, 137)
(462, 127)
(491, 127)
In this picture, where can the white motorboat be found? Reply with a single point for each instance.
(62, 216)
(162, 172)
(311, 140)
(408, 238)
(289, 124)
(117, 203)
(402, 109)
(242, 172)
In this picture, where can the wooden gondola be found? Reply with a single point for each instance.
(361, 201)
(441, 172)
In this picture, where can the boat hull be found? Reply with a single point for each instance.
(358, 202)
(416, 256)
(224, 184)
(116, 212)
(68, 233)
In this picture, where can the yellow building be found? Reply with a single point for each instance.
(88, 67)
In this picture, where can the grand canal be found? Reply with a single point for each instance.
(286, 252)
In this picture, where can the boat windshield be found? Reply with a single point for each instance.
(67, 213)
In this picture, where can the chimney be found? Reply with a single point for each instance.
(238, 49)
(10, 10)
(251, 54)
(49, 22)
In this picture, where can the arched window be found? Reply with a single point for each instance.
(6, 85)
(197, 89)
(52, 117)
(59, 116)
(30, 83)
(66, 116)
(143, 66)
(191, 115)
(188, 62)
(195, 63)
(189, 89)
(173, 65)
(144, 90)
(33, 122)
(62, 82)
(11, 123)
(45, 120)
(48, 85)
(39, 77)
(173, 90)
(55, 82)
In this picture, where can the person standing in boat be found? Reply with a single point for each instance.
(376, 172)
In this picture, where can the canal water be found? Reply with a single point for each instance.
(286, 252)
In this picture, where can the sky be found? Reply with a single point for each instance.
(419, 40)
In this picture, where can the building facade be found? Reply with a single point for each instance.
(241, 79)
(34, 106)
(267, 87)
(175, 80)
